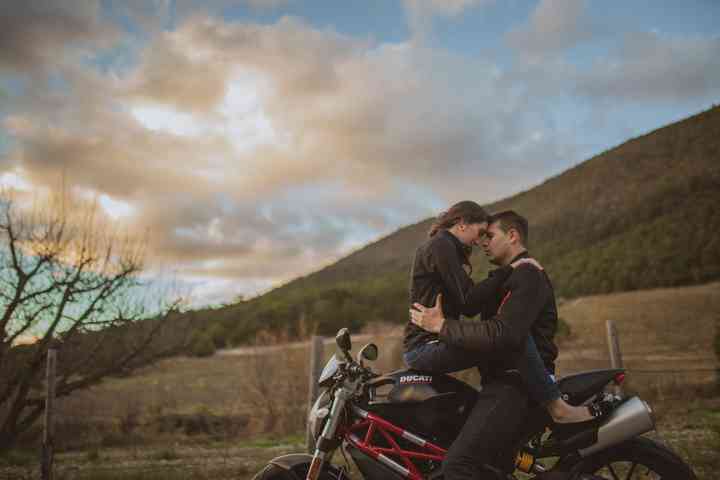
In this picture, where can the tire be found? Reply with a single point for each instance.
(297, 472)
(650, 459)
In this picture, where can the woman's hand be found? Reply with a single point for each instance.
(430, 319)
(527, 261)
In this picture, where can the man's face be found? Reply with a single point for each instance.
(496, 244)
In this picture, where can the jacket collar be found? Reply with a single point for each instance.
(523, 254)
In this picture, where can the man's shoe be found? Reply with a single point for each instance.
(598, 410)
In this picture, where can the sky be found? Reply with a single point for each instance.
(260, 140)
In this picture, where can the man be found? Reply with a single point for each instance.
(525, 306)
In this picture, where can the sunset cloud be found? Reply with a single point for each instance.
(255, 151)
(36, 35)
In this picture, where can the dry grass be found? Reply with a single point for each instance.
(668, 325)
(199, 461)
(181, 412)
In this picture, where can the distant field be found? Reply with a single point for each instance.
(668, 327)
(174, 411)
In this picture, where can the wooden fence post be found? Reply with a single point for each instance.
(316, 358)
(48, 447)
(613, 340)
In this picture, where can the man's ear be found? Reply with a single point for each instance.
(513, 236)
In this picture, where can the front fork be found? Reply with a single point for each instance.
(325, 442)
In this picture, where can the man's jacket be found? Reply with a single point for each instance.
(524, 305)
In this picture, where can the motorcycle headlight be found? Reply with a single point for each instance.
(329, 371)
(318, 413)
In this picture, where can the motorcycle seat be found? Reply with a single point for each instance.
(580, 387)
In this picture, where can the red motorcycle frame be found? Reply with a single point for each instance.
(376, 425)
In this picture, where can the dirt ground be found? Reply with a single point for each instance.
(690, 428)
(201, 418)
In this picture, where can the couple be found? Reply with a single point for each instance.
(513, 347)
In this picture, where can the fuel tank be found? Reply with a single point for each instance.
(434, 406)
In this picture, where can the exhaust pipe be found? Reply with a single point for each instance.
(634, 417)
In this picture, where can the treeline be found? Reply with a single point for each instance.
(302, 312)
(644, 214)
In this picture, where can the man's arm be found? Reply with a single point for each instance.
(485, 291)
(509, 329)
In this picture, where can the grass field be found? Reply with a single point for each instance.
(189, 418)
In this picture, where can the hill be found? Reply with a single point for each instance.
(641, 215)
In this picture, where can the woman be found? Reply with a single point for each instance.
(442, 266)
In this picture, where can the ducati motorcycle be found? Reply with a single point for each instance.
(399, 426)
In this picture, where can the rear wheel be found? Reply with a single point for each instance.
(636, 459)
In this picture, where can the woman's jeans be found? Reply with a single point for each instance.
(439, 357)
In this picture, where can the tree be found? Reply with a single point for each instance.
(70, 280)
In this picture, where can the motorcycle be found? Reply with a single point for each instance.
(399, 426)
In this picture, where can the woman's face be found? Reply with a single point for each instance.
(471, 234)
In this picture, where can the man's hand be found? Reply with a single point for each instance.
(528, 261)
(430, 319)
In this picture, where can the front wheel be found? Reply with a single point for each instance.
(295, 467)
(639, 458)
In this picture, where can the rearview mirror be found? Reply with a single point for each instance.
(343, 340)
(368, 352)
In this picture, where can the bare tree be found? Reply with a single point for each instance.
(275, 380)
(67, 278)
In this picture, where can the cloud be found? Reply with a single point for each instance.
(649, 66)
(154, 17)
(336, 101)
(266, 4)
(444, 7)
(420, 13)
(35, 35)
(554, 26)
(261, 152)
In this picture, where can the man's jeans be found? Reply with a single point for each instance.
(492, 425)
(439, 357)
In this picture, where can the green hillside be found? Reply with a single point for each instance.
(644, 214)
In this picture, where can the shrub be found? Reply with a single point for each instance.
(167, 454)
(201, 345)
(563, 328)
(93, 455)
(18, 458)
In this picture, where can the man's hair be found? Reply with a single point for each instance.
(509, 219)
